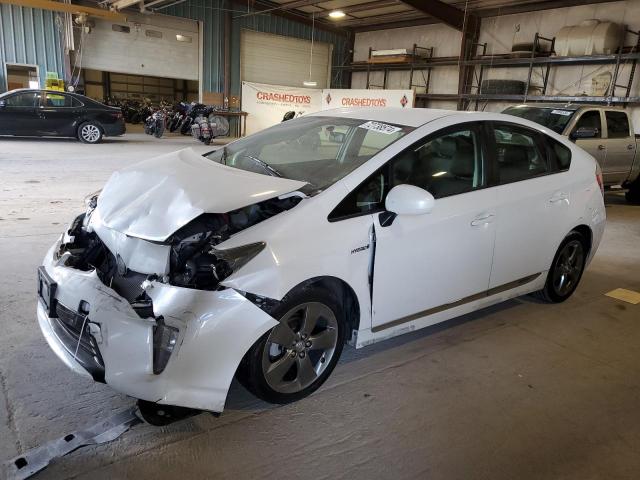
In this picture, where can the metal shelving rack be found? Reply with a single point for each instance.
(624, 56)
(417, 52)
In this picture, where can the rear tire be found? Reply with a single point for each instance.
(90, 132)
(294, 359)
(566, 270)
(633, 194)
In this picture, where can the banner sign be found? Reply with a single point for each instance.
(267, 104)
(338, 98)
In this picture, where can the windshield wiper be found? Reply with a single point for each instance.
(264, 165)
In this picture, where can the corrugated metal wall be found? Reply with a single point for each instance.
(32, 36)
(29, 35)
(211, 12)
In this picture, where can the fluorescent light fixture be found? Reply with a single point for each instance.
(337, 14)
(438, 174)
(183, 38)
(310, 83)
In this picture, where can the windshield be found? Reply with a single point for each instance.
(316, 150)
(555, 119)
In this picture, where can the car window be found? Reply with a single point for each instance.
(315, 149)
(554, 118)
(617, 124)
(590, 119)
(444, 164)
(28, 99)
(561, 153)
(57, 100)
(519, 154)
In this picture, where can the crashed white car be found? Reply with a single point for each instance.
(261, 259)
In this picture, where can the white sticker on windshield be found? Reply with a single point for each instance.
(566, 113)
(380, 127)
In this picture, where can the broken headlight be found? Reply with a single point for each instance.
(200, 265)
(233, 259)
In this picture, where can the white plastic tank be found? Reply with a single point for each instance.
(591, 37)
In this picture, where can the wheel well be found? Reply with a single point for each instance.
(586, 232)
(345, 294)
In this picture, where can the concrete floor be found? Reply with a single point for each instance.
(522, 390)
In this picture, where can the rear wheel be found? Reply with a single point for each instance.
(89, 132)
(566, 269)
(293, 359)
(633, 194)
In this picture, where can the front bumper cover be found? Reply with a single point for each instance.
(216, 330)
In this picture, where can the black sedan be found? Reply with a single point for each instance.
(50, 113)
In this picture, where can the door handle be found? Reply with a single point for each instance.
(558, 197)
(482, 219)
(600, 147)
(629, 147)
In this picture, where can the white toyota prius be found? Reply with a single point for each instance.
(262, 259)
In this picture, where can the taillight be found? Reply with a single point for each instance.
(117, 114)
(599, 178)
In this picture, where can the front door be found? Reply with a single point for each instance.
(424, 263)
(19, 114)
(621, 147)
(595, 146)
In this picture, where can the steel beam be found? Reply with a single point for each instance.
(68, 8)
(447, 14)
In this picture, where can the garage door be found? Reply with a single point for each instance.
(278, 60)
(144, 45)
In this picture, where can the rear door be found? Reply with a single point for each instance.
(19, 116)
(59, 114)
(621, 147)
(594, 146)
(533, 203)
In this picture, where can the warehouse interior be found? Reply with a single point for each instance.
(519, 389)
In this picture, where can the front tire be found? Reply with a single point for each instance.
(566, 270)
(90, 132)
(295, 358)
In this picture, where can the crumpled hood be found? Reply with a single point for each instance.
(154, 198)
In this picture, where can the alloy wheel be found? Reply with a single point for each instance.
(568, 267)
(300, 348)
(90, 133)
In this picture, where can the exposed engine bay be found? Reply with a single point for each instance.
(194, 262)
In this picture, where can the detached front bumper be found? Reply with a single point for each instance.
(216, 328)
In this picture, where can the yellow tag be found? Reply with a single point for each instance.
(625, 295)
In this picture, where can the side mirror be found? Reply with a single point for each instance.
(409, 200)
(584, 132)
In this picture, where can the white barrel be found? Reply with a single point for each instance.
(590, 37)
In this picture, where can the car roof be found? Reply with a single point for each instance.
(411, 117)
(40, 90)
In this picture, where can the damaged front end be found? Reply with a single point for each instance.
(194, 262)
(141, 306)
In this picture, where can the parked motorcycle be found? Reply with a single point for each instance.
(206, 128)
(155, 123)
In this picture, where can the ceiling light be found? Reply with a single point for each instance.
(337, 14)
(310, 83)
